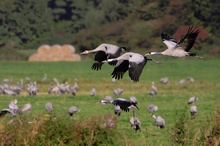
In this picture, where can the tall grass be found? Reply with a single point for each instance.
(171, 100)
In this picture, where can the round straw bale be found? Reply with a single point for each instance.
(77, 57)
(55, 50)
(43, 49)
(57, 58)
(68, 49)
(34, 57)
(72, 57)
(46, 58)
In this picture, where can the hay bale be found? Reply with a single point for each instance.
(57, 57)
(68, 49)
(77, 57)
(45, 58)
(55, 50)
(72, 57)
(43, 49)
(34, 57)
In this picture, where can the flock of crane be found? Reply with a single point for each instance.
(129, 61)
(134, 64)
(121, 104)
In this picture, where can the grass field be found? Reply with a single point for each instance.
(171, 98)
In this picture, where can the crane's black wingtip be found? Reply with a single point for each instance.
(124, 48)
(97, 66)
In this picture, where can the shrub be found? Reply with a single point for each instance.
(184, 131)
(63, 130)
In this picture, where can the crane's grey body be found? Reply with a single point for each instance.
(193, 111)
(192, 100)
(117, 110)
(14, 110)
(182, 81)
(44, 79)
(160, 122)
(72, 110)
(26, 107)
(153, 90)
(118, 91)
(124, 104)
(103, 52)
(75, 88)
(59, 88)
(9, 92)
(5, 111)
(164, 80)
(32, 88)
(49, 107)
(133, 99)
(135, 123)
(13, 106)
(50, 88)
(106, 100)
(190, 80)
(133, 62)
(152, 108)
(179, 48)
(93, 92)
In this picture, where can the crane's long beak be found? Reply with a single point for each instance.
(85, 52)
(105, 61)
(110, 60)
(147, 54)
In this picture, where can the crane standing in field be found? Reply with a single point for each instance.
(104, 52)
(152, 108)
(193, 111)
(160, 122)
(134, 121)
(106, 100)
(133, 62)
(117, 110)
(49, 107)
(192, 100)
(179, 48)
(72, 110)
(26, 108)
(164, 80)
(93, 92)
(153, 90)
(118, 91)
(13, 109)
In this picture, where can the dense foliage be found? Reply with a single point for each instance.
(27, 24)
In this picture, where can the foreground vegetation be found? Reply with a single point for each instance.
(87, 128)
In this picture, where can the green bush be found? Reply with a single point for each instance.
(63, 130)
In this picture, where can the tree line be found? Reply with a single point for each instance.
(27, 24)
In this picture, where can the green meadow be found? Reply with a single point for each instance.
(171, 99)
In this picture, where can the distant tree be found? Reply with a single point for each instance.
(22, 22)
(208, 13)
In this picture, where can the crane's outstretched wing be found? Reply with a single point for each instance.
(135, 69)
(168, 41)
(99, 58)
(189, 38)
(120, 68)
(4, 112)
(123, 103)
